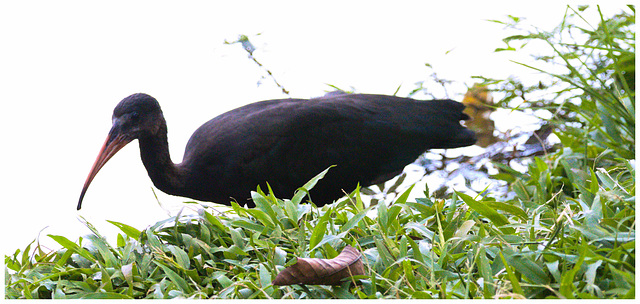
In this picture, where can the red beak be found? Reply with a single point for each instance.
(111, 146)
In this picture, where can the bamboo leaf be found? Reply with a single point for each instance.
(353, 221)
(128, 230)
(175, 278)
(105, 296)
(301, 193)
(490, 213)
(181, 257)
(319, 230)
(66, 243)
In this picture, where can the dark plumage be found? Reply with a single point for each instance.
(286, 142)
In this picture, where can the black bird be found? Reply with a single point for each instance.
(286, 142)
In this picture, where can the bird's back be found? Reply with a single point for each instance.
(286, 142)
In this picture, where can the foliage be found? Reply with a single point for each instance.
(567, 230)
(591, 88)
(544, 243)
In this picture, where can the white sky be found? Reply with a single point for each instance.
(64, 65)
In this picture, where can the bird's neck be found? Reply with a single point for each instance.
(154, 151)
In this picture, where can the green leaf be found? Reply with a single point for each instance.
(515, 283)
(526, 266)
(392, 216)
(262, 217)
(521, 190)
(237, 238)
(464, 228)
(424, 231)
(235, 250)
(105, 295)
(328, 238)
(515, 210)
(319, 230)
(175, 278)
(153, 241)
(291, 210)
(486, 211)
(106, 280)
(262, 203)
(421, 295)
(280, 256)
(383, 217)
(265, 276)
(214, 221)
(606, 179)
(66, 243)
(484, 269)
(128, 272)
(386, 257)
(181, 257)
(63, 259)
(300, 194)
(128, 230)
(421, 207)
(242, 223)
(222, 279)
(104, 250)
(415, 250)
(353, 221)
(569, 277)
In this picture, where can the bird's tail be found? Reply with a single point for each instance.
(463, 138)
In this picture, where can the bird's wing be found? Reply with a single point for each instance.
(374, 136)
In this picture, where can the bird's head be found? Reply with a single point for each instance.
(134, 117)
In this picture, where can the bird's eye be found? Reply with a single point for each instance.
(135, 115)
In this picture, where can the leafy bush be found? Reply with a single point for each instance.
(591, 93)
(541, 244)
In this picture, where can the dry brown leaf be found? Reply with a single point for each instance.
(322, 271)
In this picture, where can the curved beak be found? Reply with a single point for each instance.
(115, 141)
